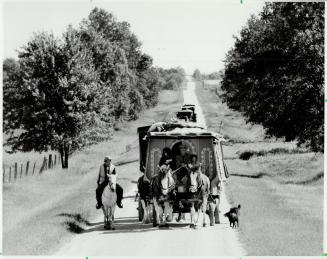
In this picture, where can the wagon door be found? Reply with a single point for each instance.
(220, 164)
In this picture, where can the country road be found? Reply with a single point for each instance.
(131, 237)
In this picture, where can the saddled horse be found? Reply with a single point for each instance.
(144, 192)
(109, 199)
(199, 188)
(163, 186)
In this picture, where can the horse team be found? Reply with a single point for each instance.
(161, 192)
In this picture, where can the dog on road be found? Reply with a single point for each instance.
(233, 216)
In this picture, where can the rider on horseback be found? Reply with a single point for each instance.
(105, 169)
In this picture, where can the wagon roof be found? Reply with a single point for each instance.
(189, 131)
(185, 111)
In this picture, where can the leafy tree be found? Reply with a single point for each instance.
(130, 72)
(275, 72)
(171, 78)
(57, 97)
(197, 75)
(67, 93)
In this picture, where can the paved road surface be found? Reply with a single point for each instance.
(134, 238)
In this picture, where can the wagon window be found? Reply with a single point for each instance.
(155, 158)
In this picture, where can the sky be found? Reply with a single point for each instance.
(190, 34)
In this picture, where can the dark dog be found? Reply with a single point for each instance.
(233, 216)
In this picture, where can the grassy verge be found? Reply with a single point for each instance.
(279, 187)
(42, 212)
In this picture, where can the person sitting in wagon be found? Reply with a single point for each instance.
(193, 162)
(182, 161)
(166, 158)
(107, 168)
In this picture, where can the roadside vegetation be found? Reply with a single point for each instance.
(70, 92)
(274, 74)
(60, 203)
(279, 186)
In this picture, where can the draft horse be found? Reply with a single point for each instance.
(199, 189)
(144, 197)
(163, 192)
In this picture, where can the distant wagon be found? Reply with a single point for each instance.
(205, 144)
(187, 113)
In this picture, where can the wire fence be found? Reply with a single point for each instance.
(20, 170)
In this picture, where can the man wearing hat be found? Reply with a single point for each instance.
(107, 168)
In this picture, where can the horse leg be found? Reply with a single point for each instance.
(216, 212)
(205, 205)
(160, 212)
(192, 214)
(144, 211)
(156, 210)
(166, 212)
(113, 216)
(197, 212)
(109, 218)
(104, 217)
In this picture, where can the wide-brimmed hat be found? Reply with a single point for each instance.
(107, 158)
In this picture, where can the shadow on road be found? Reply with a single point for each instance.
(131, 225)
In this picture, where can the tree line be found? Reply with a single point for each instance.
(69, 92)
(274, 74)
(198, 76)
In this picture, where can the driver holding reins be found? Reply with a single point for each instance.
(107, 168)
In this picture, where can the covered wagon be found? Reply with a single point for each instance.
(206, 145)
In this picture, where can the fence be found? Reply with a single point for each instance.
(11, 174)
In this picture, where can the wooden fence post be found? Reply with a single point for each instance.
(15, 175)
(44, 165)
(50, 161)
(21, 170)
(27, 167)
(10, 174)
(34, 168)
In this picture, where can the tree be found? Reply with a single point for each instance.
(197, 75)
(129, 72)
(171, 79)
(275, 72)
(57, 97)
(64, 94)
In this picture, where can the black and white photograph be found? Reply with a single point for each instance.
(163, 128)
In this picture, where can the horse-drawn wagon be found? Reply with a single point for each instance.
(187, 113)
(206, 146)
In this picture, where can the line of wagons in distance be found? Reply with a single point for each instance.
(205, 144)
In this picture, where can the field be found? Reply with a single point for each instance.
(280, 186)
(42, 212)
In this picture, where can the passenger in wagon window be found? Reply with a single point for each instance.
(166, 158)
(105, 169)
(194, 161)
(182, 161)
